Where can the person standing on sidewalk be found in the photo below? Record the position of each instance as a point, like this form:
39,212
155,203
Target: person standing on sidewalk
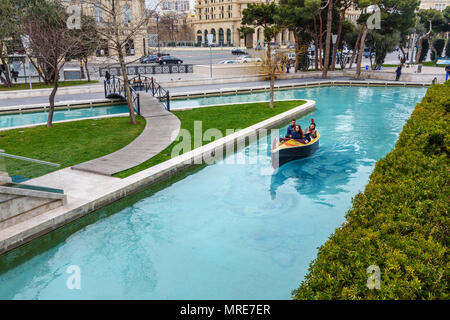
447,72
398,72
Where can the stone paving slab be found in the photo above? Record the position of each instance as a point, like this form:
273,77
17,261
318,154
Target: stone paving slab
160,131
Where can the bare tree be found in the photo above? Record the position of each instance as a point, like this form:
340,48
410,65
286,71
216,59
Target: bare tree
7,30
117,26
51,42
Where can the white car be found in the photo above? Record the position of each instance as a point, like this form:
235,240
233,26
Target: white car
228,62
249,59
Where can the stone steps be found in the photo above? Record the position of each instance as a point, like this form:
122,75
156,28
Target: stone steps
16,209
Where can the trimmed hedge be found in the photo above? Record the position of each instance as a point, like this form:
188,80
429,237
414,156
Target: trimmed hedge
400,223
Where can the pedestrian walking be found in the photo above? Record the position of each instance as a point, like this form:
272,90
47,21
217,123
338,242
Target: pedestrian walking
447,72
107,76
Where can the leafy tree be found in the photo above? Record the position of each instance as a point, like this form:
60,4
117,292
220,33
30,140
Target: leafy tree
299,17
447,49
342,6
431,18
382,43
438,44
263,15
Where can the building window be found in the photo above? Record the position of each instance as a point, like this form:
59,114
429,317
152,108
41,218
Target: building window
98,13
126,14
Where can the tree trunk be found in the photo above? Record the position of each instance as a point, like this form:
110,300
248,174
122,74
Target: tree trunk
419,50
430,41
297,46
272,74
320,40
361,51
316,46
356,46
37,69
336,45
328,39
8,81
127,87
52,100
87,69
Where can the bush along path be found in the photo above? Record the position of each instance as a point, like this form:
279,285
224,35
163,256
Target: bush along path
399,224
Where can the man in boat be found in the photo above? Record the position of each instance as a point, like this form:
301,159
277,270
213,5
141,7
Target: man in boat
290,129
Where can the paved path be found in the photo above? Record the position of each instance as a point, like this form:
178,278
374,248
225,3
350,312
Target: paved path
160,131
60,97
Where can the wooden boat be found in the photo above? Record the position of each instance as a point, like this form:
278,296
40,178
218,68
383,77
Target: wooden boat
288,150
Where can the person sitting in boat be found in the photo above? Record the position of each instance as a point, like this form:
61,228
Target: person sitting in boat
297,134
310,132
290,129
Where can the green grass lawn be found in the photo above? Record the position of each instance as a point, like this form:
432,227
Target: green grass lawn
67,143
75,142
432,64
26,86
220,117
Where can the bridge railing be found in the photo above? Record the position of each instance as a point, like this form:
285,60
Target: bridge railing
149,85
115,87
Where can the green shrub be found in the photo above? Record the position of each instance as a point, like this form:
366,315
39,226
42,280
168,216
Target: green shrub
399,223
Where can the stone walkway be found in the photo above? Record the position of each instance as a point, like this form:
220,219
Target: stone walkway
160,131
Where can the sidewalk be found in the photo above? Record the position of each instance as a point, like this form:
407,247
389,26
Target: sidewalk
221,84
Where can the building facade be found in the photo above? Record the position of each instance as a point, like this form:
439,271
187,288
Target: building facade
129,14
353,13
222,19
180,6
434,4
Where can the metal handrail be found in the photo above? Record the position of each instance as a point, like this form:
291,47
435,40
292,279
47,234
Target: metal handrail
141,83
28,159
115,86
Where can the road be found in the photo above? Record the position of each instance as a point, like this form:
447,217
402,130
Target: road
202,56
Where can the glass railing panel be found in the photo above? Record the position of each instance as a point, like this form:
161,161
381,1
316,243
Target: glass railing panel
33,174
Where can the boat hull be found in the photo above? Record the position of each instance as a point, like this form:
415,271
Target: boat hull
282,156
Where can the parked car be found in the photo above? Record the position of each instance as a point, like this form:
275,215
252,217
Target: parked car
152,58
228,62
239,51
273,45
250,59
368,53
291,46
242,58
169,60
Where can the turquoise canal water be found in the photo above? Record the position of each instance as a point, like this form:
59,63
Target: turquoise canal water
22,119
228,231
